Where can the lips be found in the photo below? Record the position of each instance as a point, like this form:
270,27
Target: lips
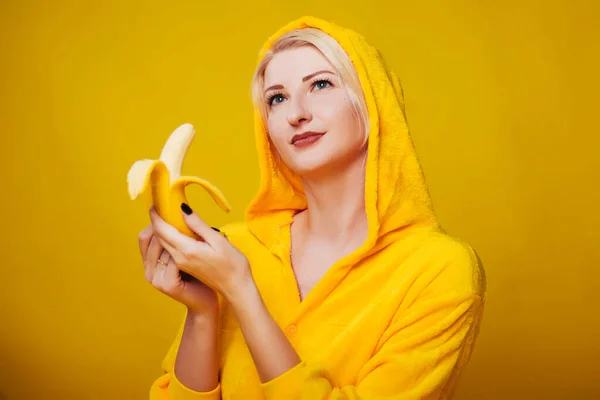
305,135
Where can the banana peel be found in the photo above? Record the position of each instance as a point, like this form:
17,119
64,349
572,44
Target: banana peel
161,183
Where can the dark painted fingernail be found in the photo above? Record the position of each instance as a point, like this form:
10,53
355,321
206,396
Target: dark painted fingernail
186,209
216,229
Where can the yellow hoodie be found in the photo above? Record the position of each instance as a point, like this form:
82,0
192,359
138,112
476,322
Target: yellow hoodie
395,319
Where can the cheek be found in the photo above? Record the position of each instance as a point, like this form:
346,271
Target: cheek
276,126
336,112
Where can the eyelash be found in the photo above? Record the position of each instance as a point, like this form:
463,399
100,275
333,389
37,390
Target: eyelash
273,95
321,80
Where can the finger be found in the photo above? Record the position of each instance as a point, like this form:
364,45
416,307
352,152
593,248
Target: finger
171,274
164,257
169,281
173,252
144,238
196,224
169,234
154,251
158,280
195,250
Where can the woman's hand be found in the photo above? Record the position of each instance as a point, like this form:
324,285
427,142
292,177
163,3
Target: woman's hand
164,276
218,264
213,261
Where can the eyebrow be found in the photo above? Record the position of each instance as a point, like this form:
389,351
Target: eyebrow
307,77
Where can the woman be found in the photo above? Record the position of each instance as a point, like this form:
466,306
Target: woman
340,284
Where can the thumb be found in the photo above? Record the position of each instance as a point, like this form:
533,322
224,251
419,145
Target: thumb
196,224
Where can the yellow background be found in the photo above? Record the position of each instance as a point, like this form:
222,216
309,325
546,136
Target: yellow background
502,100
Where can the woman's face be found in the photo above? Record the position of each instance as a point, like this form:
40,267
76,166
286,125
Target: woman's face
304,94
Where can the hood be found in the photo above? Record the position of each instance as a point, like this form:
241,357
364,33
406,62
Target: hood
396,196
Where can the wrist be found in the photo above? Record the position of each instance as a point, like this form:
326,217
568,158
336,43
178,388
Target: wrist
202,318
239,287
244,297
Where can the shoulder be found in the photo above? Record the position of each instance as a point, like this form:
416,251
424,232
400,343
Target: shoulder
463,266
444,263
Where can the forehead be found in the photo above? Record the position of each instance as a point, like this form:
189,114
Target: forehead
294,64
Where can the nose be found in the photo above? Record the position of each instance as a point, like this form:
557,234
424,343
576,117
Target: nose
298,110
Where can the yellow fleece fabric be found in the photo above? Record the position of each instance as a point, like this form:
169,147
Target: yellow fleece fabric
395,319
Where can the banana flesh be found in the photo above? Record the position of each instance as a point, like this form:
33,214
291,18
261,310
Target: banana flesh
162,183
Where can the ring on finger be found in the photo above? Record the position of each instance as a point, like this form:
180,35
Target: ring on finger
166,260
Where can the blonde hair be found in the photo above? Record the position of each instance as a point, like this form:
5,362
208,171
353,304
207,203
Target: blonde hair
335,54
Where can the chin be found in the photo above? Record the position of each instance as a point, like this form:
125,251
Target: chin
308,170
310,164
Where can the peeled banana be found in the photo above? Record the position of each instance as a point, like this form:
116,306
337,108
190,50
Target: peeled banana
163,177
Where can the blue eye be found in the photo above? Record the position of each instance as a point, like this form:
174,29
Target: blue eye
274,96
322,83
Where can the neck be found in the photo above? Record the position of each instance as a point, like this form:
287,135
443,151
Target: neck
336,203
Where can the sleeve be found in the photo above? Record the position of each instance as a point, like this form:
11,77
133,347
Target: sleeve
168,387
419,356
